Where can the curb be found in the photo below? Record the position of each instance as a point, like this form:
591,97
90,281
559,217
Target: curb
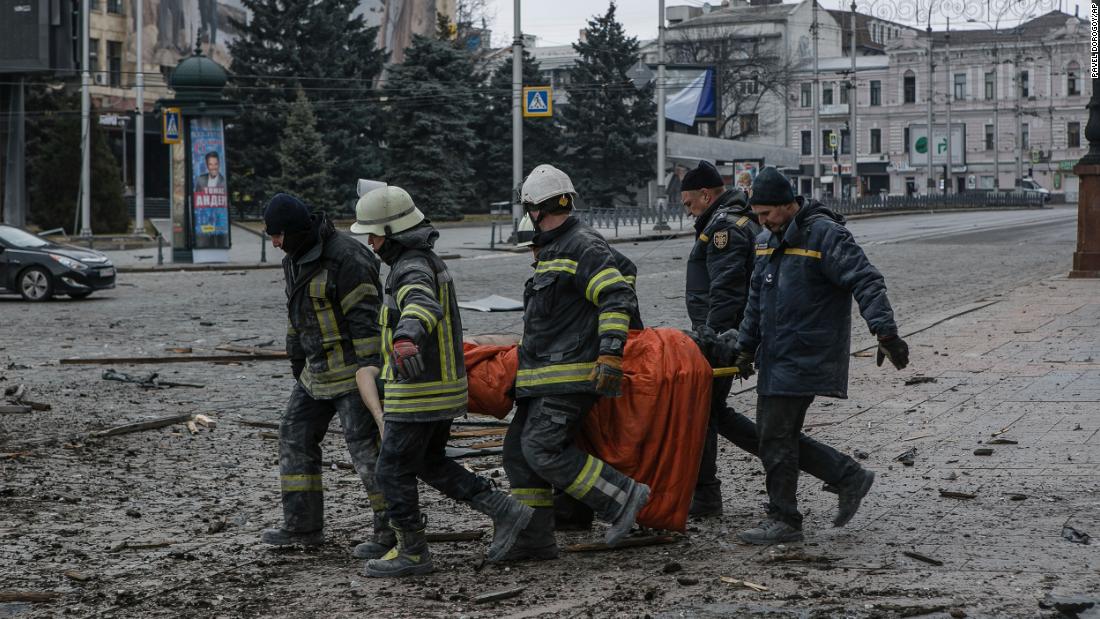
260,266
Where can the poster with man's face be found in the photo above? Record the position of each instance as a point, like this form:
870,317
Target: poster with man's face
744,173
209,191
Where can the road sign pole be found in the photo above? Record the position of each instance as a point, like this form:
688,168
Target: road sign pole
85,124
517,116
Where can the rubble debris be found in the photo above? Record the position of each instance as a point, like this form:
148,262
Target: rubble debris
1002,441
919,557
159,360
1016,496
15,408
496,596
672,567
919,380
957,613
257,350
742,583
800,557
952,494
1073,535
487,445
78,576
493,303
907,457
687,581
916,437
983,451
140,426
206,422
191,427
150,381
1068,605
860,454
633,542
126,545
183,350
33,597
268,436
501,431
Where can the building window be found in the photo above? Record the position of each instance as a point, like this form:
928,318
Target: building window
910,87
845,142
989,137
750,86
986,182
749,123
807,143
1073,135
905,139
827,94
93,55
825,148
990,85
1072,86
960,86
1025,137
114,60
843,86
807,94
876,141
876,92
1025,90
114,6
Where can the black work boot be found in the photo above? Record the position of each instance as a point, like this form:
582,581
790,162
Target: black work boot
282,537
707,502
570,514
771,532
536,542
635,501
509,518
380,542
850,494
410,557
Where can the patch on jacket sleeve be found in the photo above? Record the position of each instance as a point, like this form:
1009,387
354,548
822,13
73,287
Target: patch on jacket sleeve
741,222
721,239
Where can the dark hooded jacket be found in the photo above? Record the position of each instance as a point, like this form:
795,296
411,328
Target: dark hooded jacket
799,314
720,263
332,290
421,305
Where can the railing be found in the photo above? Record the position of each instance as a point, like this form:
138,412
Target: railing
631,216
975,200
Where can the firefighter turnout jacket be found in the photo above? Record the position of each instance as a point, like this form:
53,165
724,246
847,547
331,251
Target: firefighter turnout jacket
332,308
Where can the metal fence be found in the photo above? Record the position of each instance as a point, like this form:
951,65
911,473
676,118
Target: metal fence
632,217
975,200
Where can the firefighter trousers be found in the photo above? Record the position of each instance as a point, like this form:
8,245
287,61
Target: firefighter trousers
303,427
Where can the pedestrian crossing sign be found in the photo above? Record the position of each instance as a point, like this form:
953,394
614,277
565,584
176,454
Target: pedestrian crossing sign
170,131
538,101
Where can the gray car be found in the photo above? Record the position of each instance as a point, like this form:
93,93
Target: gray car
38,269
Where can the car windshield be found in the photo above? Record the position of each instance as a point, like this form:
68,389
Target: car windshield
19,238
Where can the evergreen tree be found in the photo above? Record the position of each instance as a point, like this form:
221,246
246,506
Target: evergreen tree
317,46
304,157
541,136
430,139
609,123
53,169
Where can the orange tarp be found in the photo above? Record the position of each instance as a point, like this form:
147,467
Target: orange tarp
653,433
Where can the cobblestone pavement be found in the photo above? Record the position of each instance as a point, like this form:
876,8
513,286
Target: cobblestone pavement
165,523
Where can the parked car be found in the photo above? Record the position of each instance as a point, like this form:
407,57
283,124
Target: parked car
39,269
1029,186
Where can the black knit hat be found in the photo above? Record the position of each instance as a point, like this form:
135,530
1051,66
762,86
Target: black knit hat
285,213
770,188
704,176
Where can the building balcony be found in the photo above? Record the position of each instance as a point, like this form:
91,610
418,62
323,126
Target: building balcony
833,109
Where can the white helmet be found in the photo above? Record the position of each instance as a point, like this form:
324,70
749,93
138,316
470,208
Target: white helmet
385,211
545,182
525,232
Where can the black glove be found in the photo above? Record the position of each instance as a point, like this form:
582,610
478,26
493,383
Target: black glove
744,364
725,348
895,349
296,367
407,358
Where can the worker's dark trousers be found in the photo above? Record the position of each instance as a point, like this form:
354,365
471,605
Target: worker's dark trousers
418,449
303,427
540,454
708,466
784,450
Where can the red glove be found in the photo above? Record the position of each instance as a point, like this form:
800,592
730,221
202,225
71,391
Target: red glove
406,356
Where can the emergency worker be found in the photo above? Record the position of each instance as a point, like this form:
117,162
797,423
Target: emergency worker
577,311
425,386
797,328
332,291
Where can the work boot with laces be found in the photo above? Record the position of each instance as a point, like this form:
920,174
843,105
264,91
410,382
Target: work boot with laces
381,541
771,532
410,557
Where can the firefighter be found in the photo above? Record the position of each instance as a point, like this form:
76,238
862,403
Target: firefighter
577,311
425,386
332,290
797,328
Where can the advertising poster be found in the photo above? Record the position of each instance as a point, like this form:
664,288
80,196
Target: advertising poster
209,193
744,173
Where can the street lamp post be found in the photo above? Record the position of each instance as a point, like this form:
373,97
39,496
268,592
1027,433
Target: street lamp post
1086,259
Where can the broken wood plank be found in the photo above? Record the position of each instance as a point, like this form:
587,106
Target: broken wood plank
147,360
338,465
919,557
1002,441
126,545
206,422
142,426
38,406
33,597
743,583
258,424
191,427
487,445
456,536
78,576
800,557
479,432
496,596
632,542
183,350
268,436
15,409
952,494
252,350
16,454
918,436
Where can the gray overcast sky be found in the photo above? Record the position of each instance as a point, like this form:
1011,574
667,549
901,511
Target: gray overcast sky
557,22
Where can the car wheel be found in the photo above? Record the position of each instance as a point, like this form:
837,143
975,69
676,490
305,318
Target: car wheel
79,295
35,284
